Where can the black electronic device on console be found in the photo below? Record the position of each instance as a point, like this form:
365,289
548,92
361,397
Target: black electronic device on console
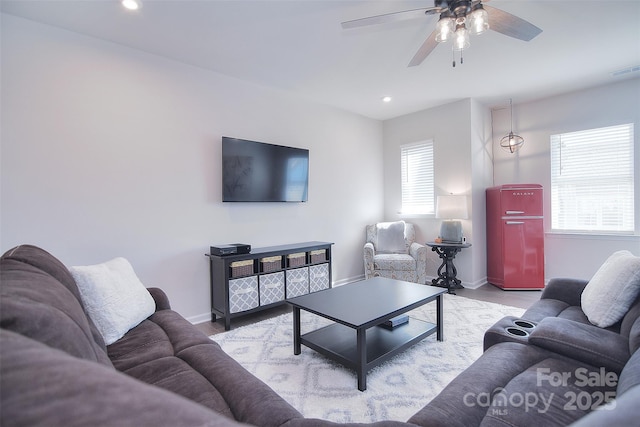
231,249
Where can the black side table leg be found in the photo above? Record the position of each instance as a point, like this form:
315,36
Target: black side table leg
447,271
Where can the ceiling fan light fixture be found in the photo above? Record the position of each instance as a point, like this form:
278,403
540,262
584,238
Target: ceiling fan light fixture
461,38
444,28
478,20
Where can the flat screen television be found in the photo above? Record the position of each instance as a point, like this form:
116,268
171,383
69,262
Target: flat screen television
259,172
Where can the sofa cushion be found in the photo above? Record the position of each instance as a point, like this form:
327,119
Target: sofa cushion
612,289
44,386
544,308
169,352
114,297
390,237
39,299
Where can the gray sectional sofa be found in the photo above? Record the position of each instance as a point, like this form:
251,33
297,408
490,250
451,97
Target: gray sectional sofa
554,370
55,369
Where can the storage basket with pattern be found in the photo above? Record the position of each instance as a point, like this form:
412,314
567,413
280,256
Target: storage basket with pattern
319,277
243,294
318,256
297,259
270,264
297,282
271,288
241,268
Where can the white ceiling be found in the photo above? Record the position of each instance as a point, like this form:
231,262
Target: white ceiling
299,46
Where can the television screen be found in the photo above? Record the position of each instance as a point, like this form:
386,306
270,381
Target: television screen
258,172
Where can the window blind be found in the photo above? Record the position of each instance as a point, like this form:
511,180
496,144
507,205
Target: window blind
592,180
417,178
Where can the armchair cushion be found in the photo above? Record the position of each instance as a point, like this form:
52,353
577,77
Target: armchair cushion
390,237
394,262
611,291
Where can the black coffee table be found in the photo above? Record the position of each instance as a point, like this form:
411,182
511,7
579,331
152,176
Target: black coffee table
355,339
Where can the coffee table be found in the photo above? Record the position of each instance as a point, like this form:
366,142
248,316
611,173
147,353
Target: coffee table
356,339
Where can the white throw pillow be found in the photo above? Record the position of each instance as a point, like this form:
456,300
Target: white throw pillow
611,291
113,296
390,237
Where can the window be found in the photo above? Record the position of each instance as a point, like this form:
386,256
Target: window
592,180
417,178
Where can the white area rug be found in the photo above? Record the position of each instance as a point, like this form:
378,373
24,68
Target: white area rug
397,389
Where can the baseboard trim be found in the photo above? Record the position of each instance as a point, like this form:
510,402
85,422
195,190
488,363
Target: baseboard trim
476,284
200,318
348,280
467,285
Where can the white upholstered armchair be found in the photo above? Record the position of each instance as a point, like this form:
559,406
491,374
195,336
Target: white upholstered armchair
391,251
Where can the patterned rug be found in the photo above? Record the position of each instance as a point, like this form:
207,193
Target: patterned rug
320,388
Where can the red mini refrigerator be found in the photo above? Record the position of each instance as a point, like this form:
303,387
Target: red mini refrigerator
515,237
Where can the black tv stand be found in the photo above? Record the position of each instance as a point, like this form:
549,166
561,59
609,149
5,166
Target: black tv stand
264,278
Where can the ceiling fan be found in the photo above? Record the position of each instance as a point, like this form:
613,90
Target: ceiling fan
458,18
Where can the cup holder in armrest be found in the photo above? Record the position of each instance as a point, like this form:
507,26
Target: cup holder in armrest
525,324
509,329
517,332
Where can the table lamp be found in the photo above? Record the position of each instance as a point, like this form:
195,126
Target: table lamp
452,209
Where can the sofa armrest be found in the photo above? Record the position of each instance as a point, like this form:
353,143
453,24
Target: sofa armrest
586,343
567,290
161,299
369,252
419,253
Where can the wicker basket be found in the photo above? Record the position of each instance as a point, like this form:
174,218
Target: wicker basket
297,259
270,264
318,256
241,268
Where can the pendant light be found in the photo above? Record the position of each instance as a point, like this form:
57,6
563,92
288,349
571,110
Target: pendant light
511,142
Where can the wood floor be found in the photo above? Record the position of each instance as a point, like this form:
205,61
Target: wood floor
489,293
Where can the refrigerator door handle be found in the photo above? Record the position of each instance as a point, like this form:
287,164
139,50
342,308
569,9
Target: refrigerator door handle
514,212
514,222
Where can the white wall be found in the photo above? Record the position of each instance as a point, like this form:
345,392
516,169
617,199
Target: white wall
481,153
461,136
109,151
617,103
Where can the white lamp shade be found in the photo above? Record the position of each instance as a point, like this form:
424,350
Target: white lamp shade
452,207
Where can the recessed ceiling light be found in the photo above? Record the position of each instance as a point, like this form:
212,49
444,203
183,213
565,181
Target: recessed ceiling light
386,99
131,4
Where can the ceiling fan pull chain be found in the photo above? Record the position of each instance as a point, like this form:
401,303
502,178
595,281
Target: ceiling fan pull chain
453,57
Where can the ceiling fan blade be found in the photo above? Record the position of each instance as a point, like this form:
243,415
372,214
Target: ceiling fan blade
427,47
390,17
510,25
